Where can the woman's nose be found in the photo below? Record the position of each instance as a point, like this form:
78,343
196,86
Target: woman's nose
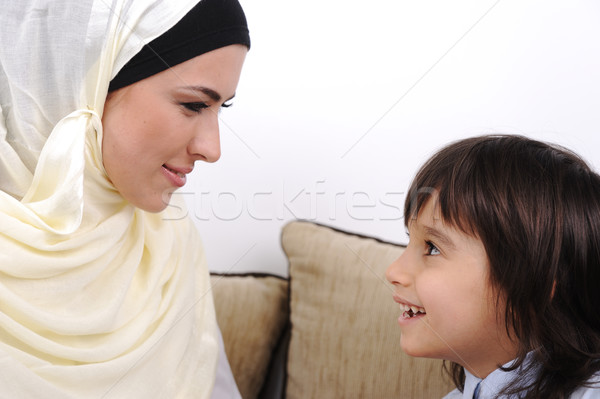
205,144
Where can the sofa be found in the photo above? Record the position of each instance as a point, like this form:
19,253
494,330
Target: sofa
328,330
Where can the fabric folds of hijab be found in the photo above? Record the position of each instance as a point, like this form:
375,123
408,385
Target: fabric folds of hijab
98,299
210,25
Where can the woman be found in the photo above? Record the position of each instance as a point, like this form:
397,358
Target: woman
103,293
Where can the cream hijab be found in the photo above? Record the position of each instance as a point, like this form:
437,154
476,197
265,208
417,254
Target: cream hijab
98,299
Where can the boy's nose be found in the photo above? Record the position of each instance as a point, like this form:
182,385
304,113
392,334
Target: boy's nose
397,272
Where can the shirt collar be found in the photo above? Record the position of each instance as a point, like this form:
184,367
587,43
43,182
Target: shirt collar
495,381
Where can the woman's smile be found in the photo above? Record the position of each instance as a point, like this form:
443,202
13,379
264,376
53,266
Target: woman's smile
177,176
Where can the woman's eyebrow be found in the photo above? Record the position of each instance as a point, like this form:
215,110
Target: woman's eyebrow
209,92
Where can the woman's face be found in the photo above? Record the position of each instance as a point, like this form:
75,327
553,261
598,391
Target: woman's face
157,128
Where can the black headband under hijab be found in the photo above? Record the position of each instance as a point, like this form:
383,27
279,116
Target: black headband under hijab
210,25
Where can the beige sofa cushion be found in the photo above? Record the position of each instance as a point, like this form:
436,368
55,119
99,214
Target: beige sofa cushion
345,342
252,311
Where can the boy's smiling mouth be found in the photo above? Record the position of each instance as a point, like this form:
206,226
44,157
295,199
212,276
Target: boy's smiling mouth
410,311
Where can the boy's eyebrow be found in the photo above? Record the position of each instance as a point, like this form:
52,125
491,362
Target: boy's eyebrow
440,237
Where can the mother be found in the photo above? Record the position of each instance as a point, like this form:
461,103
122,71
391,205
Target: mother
104,291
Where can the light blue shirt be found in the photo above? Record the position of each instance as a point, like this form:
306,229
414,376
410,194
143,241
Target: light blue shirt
498,379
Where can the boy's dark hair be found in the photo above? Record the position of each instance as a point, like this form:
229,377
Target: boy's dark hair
536,209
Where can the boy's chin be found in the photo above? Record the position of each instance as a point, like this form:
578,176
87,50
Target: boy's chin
410,347
414,347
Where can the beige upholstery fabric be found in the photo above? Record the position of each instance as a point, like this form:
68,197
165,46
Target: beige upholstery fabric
251,312
345,342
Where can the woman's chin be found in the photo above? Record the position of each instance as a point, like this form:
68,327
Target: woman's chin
153,205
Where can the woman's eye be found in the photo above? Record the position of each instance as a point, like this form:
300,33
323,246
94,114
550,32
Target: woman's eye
431,248
195,106
225,105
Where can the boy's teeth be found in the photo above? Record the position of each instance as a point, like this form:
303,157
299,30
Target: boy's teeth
411,310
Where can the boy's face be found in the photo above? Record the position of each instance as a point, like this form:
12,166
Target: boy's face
443,275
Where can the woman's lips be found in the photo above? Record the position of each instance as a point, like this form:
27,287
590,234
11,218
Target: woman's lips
177,176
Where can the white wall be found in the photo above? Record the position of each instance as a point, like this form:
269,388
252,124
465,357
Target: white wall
342,100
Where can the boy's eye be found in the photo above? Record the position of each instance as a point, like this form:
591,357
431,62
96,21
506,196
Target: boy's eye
431,248
195,106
